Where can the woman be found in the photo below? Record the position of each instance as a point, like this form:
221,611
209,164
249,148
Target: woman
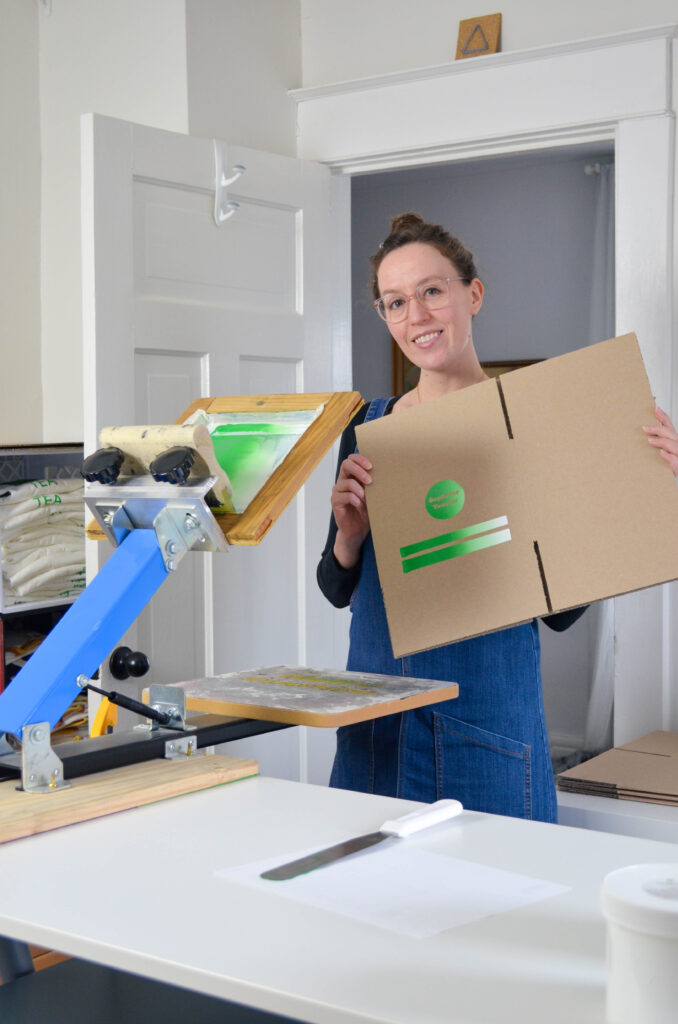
489,747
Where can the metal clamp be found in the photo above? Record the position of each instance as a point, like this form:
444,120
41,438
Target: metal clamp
142,503
181,747
41,770
116,519
172,701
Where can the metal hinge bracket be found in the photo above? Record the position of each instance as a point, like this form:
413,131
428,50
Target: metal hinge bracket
41,770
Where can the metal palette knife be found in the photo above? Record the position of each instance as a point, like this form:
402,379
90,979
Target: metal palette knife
415,821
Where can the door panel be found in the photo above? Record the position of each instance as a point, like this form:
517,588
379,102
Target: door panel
181,255
165,382
177,308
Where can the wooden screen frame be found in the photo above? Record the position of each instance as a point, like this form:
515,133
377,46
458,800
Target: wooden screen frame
252,525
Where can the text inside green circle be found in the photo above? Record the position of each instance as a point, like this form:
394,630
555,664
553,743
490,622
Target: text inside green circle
445,499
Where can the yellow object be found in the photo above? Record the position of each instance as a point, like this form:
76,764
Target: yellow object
107,714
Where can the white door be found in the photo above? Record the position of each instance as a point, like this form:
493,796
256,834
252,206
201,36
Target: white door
176,308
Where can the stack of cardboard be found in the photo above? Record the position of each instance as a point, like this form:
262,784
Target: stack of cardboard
646,769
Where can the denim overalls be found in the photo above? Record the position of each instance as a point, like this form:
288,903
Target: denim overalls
488,748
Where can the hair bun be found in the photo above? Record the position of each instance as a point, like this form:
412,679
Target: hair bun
410,227
405,222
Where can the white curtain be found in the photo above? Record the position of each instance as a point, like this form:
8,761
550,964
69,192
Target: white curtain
598,730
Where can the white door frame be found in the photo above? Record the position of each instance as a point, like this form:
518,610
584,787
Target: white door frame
619,88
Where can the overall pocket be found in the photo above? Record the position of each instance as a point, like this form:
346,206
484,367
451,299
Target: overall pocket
486,771
353,766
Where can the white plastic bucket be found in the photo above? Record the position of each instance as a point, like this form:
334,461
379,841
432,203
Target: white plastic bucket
640,904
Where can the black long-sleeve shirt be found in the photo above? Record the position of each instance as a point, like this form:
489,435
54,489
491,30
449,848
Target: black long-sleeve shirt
337,583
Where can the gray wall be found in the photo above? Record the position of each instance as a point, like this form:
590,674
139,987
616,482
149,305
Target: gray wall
528,221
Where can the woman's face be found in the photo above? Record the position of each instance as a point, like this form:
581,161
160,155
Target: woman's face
431,339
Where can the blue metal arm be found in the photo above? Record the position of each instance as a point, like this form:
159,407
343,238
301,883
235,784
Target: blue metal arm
86,634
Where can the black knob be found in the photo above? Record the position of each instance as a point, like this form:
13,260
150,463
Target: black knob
124,663
103,465
173,465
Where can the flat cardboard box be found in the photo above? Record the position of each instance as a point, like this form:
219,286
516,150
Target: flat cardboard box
645,769
527,494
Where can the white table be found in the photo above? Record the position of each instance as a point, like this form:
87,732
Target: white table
86,890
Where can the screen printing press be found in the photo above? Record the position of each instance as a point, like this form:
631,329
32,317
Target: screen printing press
219,477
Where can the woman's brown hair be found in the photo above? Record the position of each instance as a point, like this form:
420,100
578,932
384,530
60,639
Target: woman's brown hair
410,227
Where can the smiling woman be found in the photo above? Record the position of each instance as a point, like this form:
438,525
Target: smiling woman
489,747
426,289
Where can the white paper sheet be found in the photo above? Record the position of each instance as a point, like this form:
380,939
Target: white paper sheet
402,888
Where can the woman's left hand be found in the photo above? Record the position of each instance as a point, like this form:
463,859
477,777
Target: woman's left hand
663,435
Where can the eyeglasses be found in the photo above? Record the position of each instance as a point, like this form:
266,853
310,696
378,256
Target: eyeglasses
432,294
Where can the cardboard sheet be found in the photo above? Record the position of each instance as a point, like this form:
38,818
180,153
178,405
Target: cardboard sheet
645,769
528,494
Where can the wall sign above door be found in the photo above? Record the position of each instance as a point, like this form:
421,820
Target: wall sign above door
478,36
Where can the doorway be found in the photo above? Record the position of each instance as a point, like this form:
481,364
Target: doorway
540,225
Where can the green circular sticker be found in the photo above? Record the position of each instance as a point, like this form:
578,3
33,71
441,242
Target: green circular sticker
445,499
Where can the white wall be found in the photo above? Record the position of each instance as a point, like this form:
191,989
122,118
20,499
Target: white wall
359,38
155,61
20,377
212,67
242,59
124,59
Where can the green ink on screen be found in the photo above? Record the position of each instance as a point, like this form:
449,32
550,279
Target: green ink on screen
250,447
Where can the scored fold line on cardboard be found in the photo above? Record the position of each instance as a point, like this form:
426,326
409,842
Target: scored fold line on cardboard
520,496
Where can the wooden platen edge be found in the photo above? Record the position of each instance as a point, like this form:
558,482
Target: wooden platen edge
328,720
95,796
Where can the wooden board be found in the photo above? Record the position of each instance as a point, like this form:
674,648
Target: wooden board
94,796
43,958
304,696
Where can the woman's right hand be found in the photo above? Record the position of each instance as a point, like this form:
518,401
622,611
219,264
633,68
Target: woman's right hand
350,510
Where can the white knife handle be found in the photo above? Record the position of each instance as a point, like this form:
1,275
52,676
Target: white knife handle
432,814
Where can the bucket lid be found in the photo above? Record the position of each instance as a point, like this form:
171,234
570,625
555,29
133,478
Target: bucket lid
643,897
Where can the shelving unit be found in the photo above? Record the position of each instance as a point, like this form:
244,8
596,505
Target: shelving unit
33,462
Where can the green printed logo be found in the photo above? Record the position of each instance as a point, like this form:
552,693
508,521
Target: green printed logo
452,545
445,499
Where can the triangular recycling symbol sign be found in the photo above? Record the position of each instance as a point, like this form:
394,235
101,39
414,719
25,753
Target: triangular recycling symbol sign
476,42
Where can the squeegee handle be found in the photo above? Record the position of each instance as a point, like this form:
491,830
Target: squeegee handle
123,701
141,709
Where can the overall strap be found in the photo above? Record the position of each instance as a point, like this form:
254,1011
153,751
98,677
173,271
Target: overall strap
376,409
